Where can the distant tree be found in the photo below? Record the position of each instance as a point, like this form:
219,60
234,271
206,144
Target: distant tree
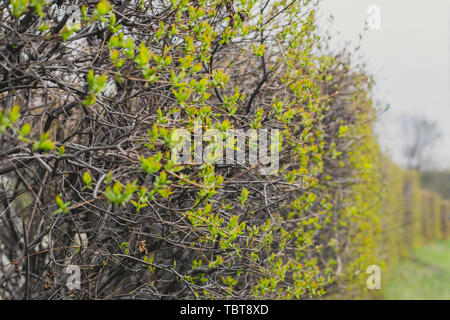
420,136
437,181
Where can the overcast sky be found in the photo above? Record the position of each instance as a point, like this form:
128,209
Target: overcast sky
409,57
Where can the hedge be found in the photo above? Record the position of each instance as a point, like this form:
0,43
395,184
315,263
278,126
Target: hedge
92,105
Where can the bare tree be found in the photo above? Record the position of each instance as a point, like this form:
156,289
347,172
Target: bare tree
420,136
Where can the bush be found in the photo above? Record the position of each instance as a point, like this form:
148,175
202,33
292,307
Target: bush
91,105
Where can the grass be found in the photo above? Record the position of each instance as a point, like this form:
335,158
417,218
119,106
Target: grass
424,275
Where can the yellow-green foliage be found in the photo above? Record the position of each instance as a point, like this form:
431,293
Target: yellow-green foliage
393,210
412,225
445,219
427,216
361,206
225,65
199,230
417,216
435,216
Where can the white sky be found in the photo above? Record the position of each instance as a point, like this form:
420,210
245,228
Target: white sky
409,57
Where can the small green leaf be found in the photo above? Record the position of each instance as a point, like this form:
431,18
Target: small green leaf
61,205
14,114
25,130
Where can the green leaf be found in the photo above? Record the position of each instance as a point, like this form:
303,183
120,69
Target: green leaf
87,179
114,54
14,114
124,246
244,195
91,79
101,83
103,7
45,143
117,188
89,100
61,205
343,129
19,7
84,12
69,29
152,164
44,27
144,55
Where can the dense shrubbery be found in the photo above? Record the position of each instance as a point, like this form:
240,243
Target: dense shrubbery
89,107
413,216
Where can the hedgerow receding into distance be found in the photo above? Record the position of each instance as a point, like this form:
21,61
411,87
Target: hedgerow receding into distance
89,105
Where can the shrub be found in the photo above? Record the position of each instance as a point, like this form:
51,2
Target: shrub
90,104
